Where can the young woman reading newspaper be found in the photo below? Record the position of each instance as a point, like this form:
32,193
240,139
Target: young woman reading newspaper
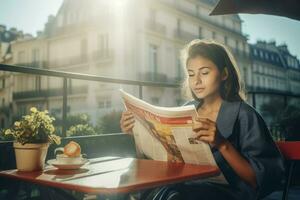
237,134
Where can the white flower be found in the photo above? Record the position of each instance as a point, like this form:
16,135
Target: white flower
17,123
8,132
33,109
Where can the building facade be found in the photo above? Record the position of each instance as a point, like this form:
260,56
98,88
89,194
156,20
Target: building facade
274,70
131,39
7,36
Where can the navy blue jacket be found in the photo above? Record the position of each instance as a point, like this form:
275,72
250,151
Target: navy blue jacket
246,130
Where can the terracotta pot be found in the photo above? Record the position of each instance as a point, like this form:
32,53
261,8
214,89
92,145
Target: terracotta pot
30,157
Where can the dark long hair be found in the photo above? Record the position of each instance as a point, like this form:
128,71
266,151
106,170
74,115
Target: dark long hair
232,89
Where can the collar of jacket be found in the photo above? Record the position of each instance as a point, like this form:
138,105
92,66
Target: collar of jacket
227,116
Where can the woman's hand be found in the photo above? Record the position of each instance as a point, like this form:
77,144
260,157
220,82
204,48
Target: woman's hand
127,122
206,131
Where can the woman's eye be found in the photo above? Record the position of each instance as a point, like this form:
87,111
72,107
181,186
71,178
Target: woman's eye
191,75
204,73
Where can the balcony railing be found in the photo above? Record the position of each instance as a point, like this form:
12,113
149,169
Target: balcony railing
184,35
161,80
68,75
48,93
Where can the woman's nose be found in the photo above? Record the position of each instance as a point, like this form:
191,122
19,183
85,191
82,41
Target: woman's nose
198,79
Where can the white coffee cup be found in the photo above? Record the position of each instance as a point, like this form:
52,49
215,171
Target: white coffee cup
66,160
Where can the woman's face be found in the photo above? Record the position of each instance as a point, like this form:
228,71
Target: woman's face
204,77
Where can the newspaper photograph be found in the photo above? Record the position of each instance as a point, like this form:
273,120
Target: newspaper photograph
165,133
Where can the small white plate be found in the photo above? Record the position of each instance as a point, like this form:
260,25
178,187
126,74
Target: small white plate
58,165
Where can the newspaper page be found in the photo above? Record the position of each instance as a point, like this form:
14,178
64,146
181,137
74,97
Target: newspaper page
165,134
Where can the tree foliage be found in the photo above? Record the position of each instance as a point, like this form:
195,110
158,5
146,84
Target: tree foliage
109,123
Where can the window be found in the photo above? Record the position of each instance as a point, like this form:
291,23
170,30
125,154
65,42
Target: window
2,83
56,111
83,48
267,56
236,45
255,52
179,102
153,53
214,35
260,69
108,104
21,57
197,10
225,40
152,15
101,104
60,20
245,74
155,100
103,45
200,34
104,103
35,57
70,86
38,83
178,25
254,67
22,109
223,21
179,70
261,54
2,123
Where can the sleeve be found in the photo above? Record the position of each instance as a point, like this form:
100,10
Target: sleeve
258,147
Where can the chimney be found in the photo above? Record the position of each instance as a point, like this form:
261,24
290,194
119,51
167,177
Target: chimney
283,47
39,33
13,30
2,28
28,36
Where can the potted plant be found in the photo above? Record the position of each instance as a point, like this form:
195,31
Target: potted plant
32,135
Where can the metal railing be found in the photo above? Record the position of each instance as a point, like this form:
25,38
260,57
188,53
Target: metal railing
79,76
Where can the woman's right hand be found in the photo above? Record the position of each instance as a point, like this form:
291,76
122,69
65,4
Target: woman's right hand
127,122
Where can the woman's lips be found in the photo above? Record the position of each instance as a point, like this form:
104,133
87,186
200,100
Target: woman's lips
199,89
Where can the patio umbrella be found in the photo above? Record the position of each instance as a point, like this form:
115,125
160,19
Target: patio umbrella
285,8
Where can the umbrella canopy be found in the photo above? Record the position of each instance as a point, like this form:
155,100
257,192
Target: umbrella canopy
285,8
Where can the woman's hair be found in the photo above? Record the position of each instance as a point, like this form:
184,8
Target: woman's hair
231,89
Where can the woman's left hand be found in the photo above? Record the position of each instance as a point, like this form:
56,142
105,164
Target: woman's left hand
206,130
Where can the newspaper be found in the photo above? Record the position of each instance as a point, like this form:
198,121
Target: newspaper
165,134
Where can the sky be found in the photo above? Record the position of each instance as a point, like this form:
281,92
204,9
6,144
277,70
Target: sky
31,15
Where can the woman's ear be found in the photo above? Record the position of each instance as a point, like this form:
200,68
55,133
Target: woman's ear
224,74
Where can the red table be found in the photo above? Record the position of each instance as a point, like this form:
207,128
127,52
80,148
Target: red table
115,175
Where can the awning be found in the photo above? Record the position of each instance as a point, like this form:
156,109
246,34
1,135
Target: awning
285,8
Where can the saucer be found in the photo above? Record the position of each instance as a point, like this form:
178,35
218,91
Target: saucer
58,165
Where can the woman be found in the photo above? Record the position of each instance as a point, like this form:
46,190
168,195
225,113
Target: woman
238,136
